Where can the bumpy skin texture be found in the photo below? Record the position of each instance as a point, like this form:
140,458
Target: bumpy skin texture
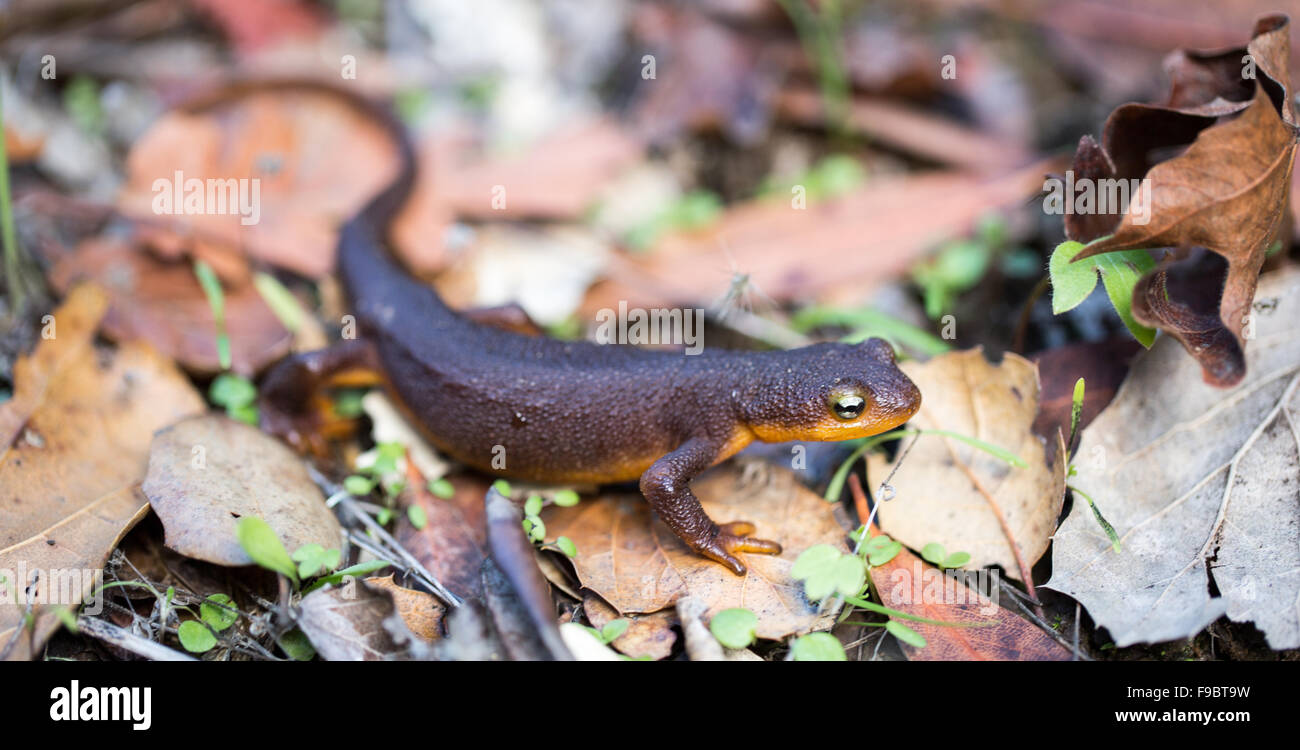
557,411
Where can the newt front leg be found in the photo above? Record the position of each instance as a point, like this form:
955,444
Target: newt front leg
291,403
666,484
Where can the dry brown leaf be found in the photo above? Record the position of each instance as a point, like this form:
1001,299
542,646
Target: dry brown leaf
964,498
208,471
317,160
1227,192
421,612
628,557
1102,365
910,129
998,634
76,439
834,248
649,635
356,623
1156,24
558,177
708,75
1201,485
162,303
453,542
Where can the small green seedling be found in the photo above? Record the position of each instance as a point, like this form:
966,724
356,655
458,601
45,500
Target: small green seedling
905,634
386,458
358,485
612,630
379,467
16,279
347,402
820,27
817,647
959,265
535,528
261,544
196,637
297,646
417,516
235,394
67,617
81,100
1120,272
355,571
566,545
936,554
832,176
216,300
1076,412
313,559
218,612
735,627
281,301
1101,520
877,550
442,488
826,571
565,498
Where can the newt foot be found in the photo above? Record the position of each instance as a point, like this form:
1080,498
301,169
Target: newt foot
735,537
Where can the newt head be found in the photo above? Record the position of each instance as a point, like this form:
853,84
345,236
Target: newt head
829,392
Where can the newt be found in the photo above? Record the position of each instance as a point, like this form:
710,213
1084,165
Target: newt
548,410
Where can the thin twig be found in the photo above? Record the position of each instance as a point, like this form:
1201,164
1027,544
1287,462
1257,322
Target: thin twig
901,456
122,638
1026,314
1042,624
235,642
340,498
1078,613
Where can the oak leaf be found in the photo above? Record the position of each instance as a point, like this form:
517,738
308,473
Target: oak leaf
628,557
316,160
993,633
368,622
161,302
949,492
1228,191
208,471
1200,484
75,440
649,635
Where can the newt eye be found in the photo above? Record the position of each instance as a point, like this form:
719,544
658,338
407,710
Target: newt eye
848,406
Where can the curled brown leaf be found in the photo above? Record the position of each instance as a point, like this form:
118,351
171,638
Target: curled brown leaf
1227,191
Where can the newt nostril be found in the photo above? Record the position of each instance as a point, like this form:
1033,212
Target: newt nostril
901,399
